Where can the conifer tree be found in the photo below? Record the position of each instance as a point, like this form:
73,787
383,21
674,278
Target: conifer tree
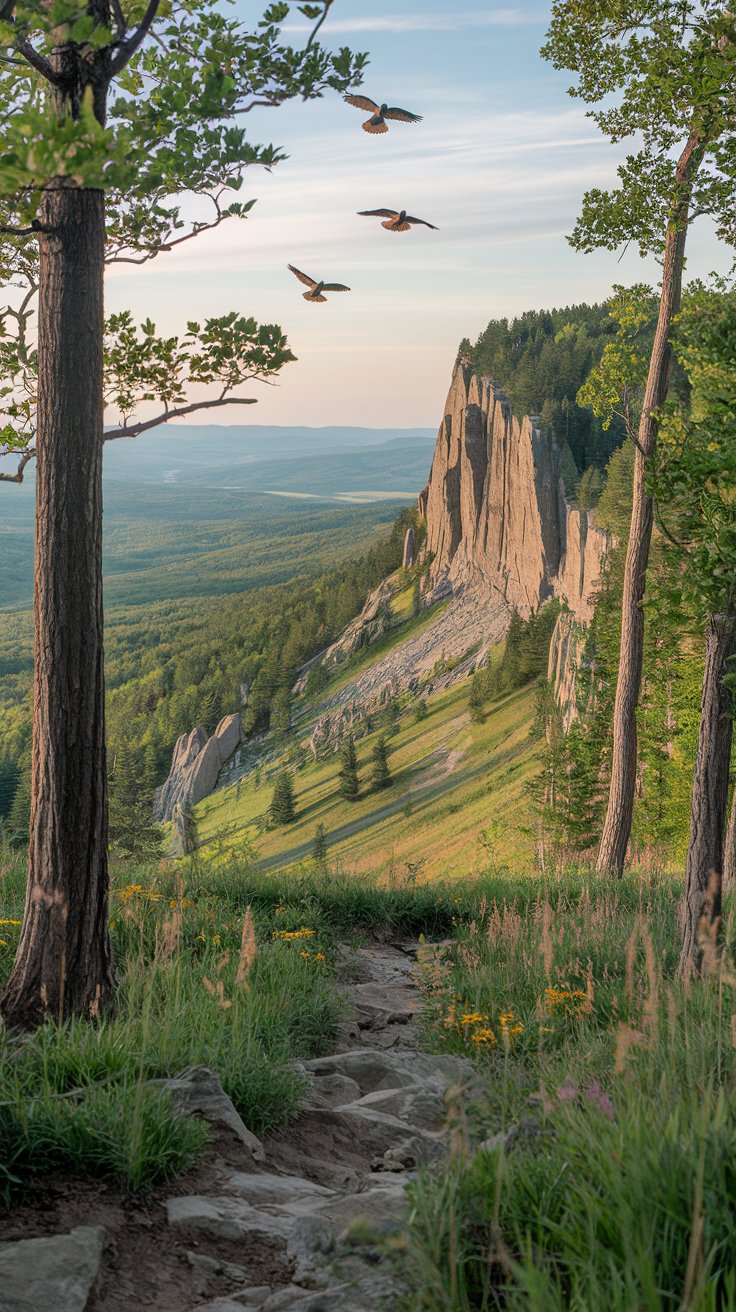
319,848
349,778
283,806
381,776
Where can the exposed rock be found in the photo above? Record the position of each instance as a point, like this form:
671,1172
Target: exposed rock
407,559
497,517
195,765
198,1092
51,1274
373,622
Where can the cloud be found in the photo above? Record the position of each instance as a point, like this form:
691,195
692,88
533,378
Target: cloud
427,22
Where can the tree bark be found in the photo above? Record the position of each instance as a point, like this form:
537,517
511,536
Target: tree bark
617,825
709,798
63,966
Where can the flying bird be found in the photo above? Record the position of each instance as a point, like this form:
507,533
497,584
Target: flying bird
397,220
316,288
379,113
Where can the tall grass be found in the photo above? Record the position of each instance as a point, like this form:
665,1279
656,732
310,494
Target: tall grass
223,967
600,1170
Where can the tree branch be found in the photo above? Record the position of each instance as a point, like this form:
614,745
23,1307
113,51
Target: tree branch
197,229
128,48
22,232
114,434
17,477
41,64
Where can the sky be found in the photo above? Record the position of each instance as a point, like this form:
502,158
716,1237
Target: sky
499,163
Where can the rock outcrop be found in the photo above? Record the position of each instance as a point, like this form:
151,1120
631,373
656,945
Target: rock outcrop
498,520
409,549
195,766
496,510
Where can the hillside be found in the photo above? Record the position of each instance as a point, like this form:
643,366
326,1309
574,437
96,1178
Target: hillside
207,512
453,782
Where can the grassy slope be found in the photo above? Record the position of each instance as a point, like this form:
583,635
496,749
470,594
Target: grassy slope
451,780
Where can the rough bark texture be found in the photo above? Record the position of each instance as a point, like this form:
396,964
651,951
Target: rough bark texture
63,965
617,824
710,797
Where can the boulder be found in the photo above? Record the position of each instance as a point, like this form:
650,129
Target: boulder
198,1092
195,766
51,1274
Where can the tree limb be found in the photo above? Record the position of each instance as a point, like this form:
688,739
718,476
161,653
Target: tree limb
41,64
128,48
17,477
133,430
22,232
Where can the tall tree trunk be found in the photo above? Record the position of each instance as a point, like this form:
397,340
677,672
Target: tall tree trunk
63,965
710,796
619,815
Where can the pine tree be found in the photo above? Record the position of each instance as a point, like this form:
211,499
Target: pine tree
381,769
349,779
283,808
478,696
319,848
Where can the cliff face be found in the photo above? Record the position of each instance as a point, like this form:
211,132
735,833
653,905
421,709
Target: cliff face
496,510
497,517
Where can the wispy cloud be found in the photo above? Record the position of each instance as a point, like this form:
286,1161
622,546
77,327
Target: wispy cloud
427,22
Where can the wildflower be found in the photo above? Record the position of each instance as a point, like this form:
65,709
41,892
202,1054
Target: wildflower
306,955
216,938
288,934
483,1035
319,956
10,922
3,943
201,938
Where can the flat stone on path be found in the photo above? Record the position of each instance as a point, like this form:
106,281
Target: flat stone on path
51,1274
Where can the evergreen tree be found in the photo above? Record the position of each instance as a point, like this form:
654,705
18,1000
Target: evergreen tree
416,598
421,710
381,770
9,776
319,848
478,696
283,808
281,712
349,779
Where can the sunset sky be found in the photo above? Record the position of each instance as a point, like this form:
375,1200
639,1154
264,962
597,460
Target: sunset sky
499,164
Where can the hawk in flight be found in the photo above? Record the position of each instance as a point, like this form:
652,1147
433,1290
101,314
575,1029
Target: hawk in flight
397,220
316,288
379,113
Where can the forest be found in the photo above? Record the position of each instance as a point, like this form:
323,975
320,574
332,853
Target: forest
428,1004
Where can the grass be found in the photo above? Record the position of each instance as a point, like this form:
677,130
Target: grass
462,785
201,982
600,1167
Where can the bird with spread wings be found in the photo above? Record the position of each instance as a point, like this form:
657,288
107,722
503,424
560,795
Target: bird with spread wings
379,113
316,288
397,220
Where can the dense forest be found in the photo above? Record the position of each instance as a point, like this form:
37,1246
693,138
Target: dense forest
541,360
179,665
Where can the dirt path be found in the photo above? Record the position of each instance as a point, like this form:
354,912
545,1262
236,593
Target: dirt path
300,1222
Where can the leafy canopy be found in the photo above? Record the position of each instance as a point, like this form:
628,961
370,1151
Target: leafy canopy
664,73
144,99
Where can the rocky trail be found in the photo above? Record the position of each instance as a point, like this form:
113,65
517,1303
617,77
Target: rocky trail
310,1220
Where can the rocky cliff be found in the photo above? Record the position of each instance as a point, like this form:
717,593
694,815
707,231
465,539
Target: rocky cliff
498,520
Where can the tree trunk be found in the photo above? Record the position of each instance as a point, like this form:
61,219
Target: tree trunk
729,853
710,797
63,966
619,815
